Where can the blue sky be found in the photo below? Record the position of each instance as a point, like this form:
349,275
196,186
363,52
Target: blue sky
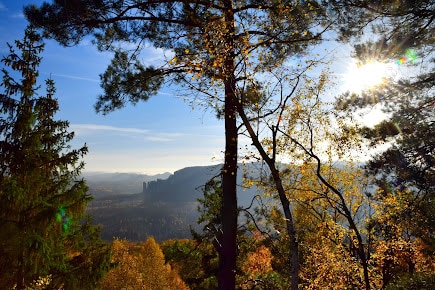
160,135
163,134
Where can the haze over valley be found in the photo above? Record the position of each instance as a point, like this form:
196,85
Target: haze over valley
136,206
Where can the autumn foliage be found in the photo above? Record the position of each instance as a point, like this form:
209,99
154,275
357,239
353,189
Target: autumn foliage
141,266
329,222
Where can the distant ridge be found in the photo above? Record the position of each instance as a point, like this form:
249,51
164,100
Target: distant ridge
118,183
164,208
136,206
184,185
121,176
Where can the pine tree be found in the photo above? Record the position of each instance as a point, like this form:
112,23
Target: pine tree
43,232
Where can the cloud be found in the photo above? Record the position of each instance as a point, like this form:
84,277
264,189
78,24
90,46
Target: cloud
158,139
129,149
150,161
149,54
3,7
17,15
75,77
80,128
91,130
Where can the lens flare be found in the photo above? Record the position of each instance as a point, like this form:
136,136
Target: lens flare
409,57
63,219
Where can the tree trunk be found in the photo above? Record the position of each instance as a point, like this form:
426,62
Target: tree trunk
20,275
228,253
291,231
285,203
348,215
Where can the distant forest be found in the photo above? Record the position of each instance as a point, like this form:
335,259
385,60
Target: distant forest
165,210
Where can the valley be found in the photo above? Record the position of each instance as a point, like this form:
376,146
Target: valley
136,206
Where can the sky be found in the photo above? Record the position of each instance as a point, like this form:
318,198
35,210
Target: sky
163,134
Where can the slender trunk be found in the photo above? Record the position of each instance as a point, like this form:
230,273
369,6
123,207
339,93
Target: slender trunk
20,275
366,273
285,203
228,253
348,215
290,227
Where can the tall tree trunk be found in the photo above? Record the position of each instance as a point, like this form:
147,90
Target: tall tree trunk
20,275
228,253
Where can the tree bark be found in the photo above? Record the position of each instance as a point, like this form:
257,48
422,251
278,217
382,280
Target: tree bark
291,231
228,252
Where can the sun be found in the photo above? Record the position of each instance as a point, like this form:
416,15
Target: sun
360,77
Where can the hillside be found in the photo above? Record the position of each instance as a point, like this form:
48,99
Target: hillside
136,206
103,184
